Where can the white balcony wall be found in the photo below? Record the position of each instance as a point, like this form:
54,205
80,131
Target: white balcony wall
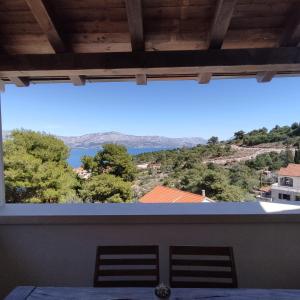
55,249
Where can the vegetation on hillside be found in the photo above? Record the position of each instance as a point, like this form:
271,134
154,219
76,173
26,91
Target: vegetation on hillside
286,134
36,170
113,172
186,169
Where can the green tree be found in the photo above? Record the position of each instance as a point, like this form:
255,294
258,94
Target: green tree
36,170
214,140
88,163
115,160
106,188
239,135
297,157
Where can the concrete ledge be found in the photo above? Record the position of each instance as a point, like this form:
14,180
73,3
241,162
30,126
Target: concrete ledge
227,212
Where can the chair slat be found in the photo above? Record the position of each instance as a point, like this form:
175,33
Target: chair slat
111,250
124,272
102,272
203,263
194,250
192,273
120,262
194,256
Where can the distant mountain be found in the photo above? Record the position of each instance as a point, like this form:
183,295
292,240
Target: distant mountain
95,140
130,141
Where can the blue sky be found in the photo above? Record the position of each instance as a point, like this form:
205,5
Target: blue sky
175,109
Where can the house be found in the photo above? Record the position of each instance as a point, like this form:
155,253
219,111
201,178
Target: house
264,193
82,173
142,166
163,194
288,186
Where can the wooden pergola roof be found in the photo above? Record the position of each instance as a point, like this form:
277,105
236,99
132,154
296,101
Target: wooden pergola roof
119,40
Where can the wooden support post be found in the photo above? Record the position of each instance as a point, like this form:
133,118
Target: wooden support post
2,183
141,79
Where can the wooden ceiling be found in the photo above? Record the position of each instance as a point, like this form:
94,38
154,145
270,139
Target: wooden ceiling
119,40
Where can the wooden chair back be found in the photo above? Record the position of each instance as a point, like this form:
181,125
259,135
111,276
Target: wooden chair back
202,267
127,266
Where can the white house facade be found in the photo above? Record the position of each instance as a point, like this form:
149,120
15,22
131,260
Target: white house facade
288,186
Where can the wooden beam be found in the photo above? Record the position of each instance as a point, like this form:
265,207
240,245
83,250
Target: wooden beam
135,24
289,38
219,27
262,77
77,80
2,86
162,63
221,22
141,79
291,33
42,16
19,81
204,78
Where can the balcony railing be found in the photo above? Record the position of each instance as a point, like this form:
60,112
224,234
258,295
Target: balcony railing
55,245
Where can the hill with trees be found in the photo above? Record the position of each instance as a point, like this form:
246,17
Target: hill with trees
36,168
36,171
286,134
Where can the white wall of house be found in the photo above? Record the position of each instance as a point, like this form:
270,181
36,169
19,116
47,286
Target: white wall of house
292,191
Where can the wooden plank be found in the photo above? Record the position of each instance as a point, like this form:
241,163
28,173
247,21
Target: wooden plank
127,272
196,250
19,81
141,79
135,24
42,16
20,293
289,38
291,33
199,262
204,274
221,22
153,63
77,80
204,78
130,262
222,18
120,250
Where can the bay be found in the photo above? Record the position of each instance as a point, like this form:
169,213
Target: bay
77,153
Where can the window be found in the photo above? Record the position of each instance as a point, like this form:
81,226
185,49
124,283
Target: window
280,196
297,198
286,197
286,181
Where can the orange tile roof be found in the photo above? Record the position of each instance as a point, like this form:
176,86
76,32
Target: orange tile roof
162,194
265,189
290,170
